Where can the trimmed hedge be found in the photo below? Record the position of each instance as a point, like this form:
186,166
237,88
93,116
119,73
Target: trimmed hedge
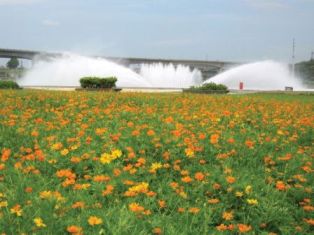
8,84
209,88
96,82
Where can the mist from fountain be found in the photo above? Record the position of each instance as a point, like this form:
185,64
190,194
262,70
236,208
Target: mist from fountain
170,76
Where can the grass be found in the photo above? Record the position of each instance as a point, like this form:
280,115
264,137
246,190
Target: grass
110,163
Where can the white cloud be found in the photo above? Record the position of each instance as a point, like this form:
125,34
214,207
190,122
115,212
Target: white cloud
18,2
51,23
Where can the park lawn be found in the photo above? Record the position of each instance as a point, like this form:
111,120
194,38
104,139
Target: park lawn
135,163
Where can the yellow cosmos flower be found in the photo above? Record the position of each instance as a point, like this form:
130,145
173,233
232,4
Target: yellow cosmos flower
94,220
116,153
248,189
64,152
139,188
155,166
106,158
3,204
189,152
252,201
56,146
16,210
39,222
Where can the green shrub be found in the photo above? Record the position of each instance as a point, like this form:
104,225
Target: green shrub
213,86
210,88
8,84
99,83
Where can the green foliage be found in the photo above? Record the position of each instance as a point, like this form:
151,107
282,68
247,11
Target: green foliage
210,87
7,84
306,71
99,83
13,63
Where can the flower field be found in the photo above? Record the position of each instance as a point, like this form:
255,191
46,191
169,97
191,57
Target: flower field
127,163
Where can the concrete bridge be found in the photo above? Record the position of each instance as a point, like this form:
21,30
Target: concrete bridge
208,68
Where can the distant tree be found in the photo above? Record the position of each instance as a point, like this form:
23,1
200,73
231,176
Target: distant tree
13,63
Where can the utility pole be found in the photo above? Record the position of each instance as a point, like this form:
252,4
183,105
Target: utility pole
293,57
312,56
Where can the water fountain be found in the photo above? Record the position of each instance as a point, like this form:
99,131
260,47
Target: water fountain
68,69
264,75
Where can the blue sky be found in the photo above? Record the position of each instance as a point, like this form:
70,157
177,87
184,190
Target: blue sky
231,30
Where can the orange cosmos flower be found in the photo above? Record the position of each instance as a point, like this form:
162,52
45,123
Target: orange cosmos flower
157,230
199,176
108,190
75,159
168,120
280,185
286,158
5,154
35,133
227,215
116,172
214,139
135,207
151,194
174,185
249,144
166,155
213,201
216,186
101,178
201,136
187,179
73,229
308,208
243,228
231,141
230,179
309,221
150,132
78,204
194,210
222,227
181,210
162,203
136,133
28,189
